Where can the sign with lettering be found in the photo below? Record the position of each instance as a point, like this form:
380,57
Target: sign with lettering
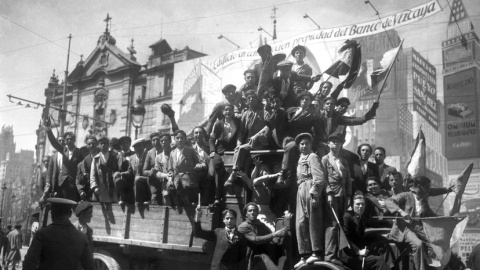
333,34
461,114
424,77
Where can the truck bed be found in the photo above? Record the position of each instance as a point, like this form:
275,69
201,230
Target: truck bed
154,226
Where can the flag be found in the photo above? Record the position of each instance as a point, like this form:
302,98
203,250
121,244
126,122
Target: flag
380,75
348,64
461,183
416,165
442,233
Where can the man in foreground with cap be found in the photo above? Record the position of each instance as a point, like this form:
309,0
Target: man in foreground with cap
104,165
339,191
301,68
59,245
84,212
135,172
284,80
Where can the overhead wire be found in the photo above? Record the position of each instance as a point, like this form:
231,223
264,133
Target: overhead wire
37,34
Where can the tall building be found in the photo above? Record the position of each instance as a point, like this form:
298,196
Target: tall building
16,172
461,84
408,102
7,145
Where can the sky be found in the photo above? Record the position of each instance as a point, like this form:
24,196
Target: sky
33,35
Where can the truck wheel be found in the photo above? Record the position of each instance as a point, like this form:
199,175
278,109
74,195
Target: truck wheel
105,262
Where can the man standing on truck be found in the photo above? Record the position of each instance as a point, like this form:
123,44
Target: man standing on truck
59,245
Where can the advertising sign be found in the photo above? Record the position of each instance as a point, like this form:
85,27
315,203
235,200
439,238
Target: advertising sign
424,77
457,54
461,115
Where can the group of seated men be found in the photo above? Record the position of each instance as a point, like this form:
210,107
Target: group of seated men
269,112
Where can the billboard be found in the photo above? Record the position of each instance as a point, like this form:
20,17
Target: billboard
424,77
461,115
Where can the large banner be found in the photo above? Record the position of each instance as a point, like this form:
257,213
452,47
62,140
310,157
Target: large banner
461,114
334,34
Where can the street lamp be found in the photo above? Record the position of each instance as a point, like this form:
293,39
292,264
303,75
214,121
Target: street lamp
224,37
138,114
4,187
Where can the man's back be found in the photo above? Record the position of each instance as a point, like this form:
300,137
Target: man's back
59,246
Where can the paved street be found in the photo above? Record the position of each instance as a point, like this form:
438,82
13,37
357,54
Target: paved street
23,252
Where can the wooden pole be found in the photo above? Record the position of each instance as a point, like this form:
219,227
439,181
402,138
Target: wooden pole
64,96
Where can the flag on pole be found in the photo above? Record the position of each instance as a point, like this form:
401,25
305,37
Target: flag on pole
348,63
416,165
461,183
380,75
442,233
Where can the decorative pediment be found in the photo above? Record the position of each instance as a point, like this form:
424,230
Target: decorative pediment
106,58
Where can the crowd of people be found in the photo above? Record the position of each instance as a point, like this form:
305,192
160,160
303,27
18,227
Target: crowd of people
329,190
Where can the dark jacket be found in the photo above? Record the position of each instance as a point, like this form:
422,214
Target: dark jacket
360,179
217,143
83,175
258,237
290,100
59,246
56,175
101,177
225,253
354,227
149,164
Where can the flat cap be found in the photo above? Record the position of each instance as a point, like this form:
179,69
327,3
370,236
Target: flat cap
299,48
155,134
303,135
124,138
263,48
337,135
103,139
138,141
82,206
285,63
304,94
